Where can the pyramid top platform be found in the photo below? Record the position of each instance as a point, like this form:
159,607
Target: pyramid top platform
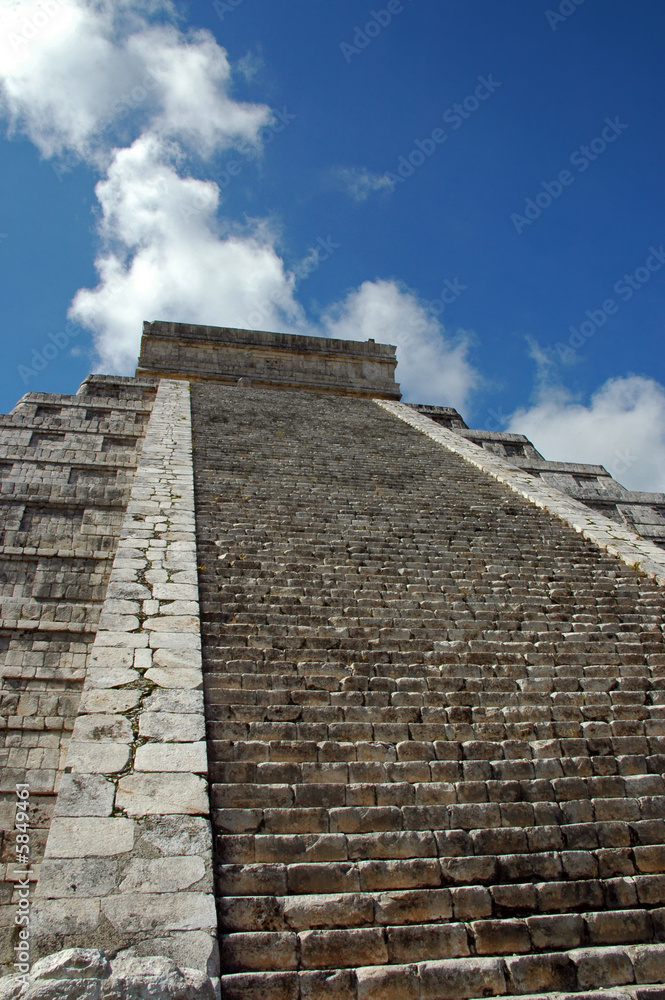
271,360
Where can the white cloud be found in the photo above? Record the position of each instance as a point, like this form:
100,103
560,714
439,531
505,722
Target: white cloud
193,76
360,183
622,428
431,368
73,70
79,76
250,65
119,85
55,82
166,258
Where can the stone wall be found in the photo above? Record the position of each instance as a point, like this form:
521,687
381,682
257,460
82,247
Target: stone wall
67,465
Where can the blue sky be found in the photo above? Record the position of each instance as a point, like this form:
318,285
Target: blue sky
465,178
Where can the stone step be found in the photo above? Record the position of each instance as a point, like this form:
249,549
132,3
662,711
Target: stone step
366,716
271,661
346,703
477,781
458,648
453,640
378,675
412,607
448,847
568,799
468,905
582,973
522,657
397,944
307,874
454,708
572,757
426,678
392,732
425,682
606,835
288,913
638,730
369,609
568,662
326,689
415,652
344,684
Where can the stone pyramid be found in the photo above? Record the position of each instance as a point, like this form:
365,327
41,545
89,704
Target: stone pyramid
322,693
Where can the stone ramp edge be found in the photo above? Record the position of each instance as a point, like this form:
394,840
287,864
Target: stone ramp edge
132,816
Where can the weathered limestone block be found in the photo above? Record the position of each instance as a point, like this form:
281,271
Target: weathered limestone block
89,837
612,967
169,726
471,977
162,794
162,874
541,973
87,974
382,982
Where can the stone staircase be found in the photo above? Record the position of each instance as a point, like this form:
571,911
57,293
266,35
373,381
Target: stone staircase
592,485
436,719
